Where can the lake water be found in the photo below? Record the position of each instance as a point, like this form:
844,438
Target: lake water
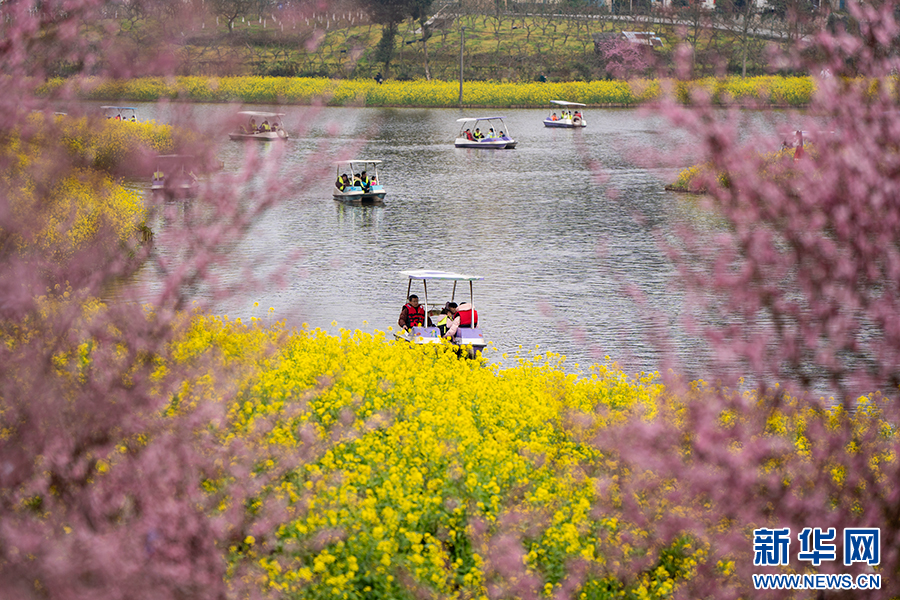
564,228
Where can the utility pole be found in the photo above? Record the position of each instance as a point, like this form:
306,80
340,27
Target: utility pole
462,45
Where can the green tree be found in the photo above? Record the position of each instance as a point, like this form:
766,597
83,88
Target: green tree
230,10
390,14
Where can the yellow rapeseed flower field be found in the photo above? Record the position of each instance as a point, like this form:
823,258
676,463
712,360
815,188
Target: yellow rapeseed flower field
78,200
776,90
427,445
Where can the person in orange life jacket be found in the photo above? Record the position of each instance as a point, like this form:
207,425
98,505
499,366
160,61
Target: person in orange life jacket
462,316
412,314
469,135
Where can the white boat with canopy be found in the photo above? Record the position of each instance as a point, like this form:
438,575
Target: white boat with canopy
484,132
174,177
469,334
570,115
120,113
358,181
261,126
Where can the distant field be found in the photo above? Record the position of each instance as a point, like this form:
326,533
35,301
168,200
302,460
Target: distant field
772,90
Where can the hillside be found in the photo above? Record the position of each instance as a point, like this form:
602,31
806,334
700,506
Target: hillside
511,46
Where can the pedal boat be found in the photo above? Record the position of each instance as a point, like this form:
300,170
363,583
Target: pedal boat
252,131
355,194
127,114
498,140
470,338
574,119
174,177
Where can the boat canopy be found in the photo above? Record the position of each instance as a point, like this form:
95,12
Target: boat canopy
255,113
440,275
118,108
478,119
358,160
566,103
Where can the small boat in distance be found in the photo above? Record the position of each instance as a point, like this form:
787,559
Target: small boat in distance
358,182
174,178
569,116
493,136
120,113
468,335
261,126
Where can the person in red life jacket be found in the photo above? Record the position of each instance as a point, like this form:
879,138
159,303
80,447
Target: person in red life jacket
463,315
412,314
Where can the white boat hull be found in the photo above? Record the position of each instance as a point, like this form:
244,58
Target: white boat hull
465,337
265,136
356,195
503,143
565,123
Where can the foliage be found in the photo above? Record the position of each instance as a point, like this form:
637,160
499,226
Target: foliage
797,292
76,207
115,146
151,452
103,448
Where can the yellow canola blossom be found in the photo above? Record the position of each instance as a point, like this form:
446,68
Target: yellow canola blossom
793,91
423,444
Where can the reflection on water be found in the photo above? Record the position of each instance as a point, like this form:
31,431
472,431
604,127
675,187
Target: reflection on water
565,229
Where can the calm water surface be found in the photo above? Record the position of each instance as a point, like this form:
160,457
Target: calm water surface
564,229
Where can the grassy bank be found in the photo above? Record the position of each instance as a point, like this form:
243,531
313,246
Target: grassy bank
770,90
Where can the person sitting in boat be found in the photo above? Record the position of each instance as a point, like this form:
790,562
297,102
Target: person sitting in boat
252,125
502,135
343,182
444,318
469,135
158,176
365,182
412,314
478,135
356,180
553,117
265,126
463,315
491,133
